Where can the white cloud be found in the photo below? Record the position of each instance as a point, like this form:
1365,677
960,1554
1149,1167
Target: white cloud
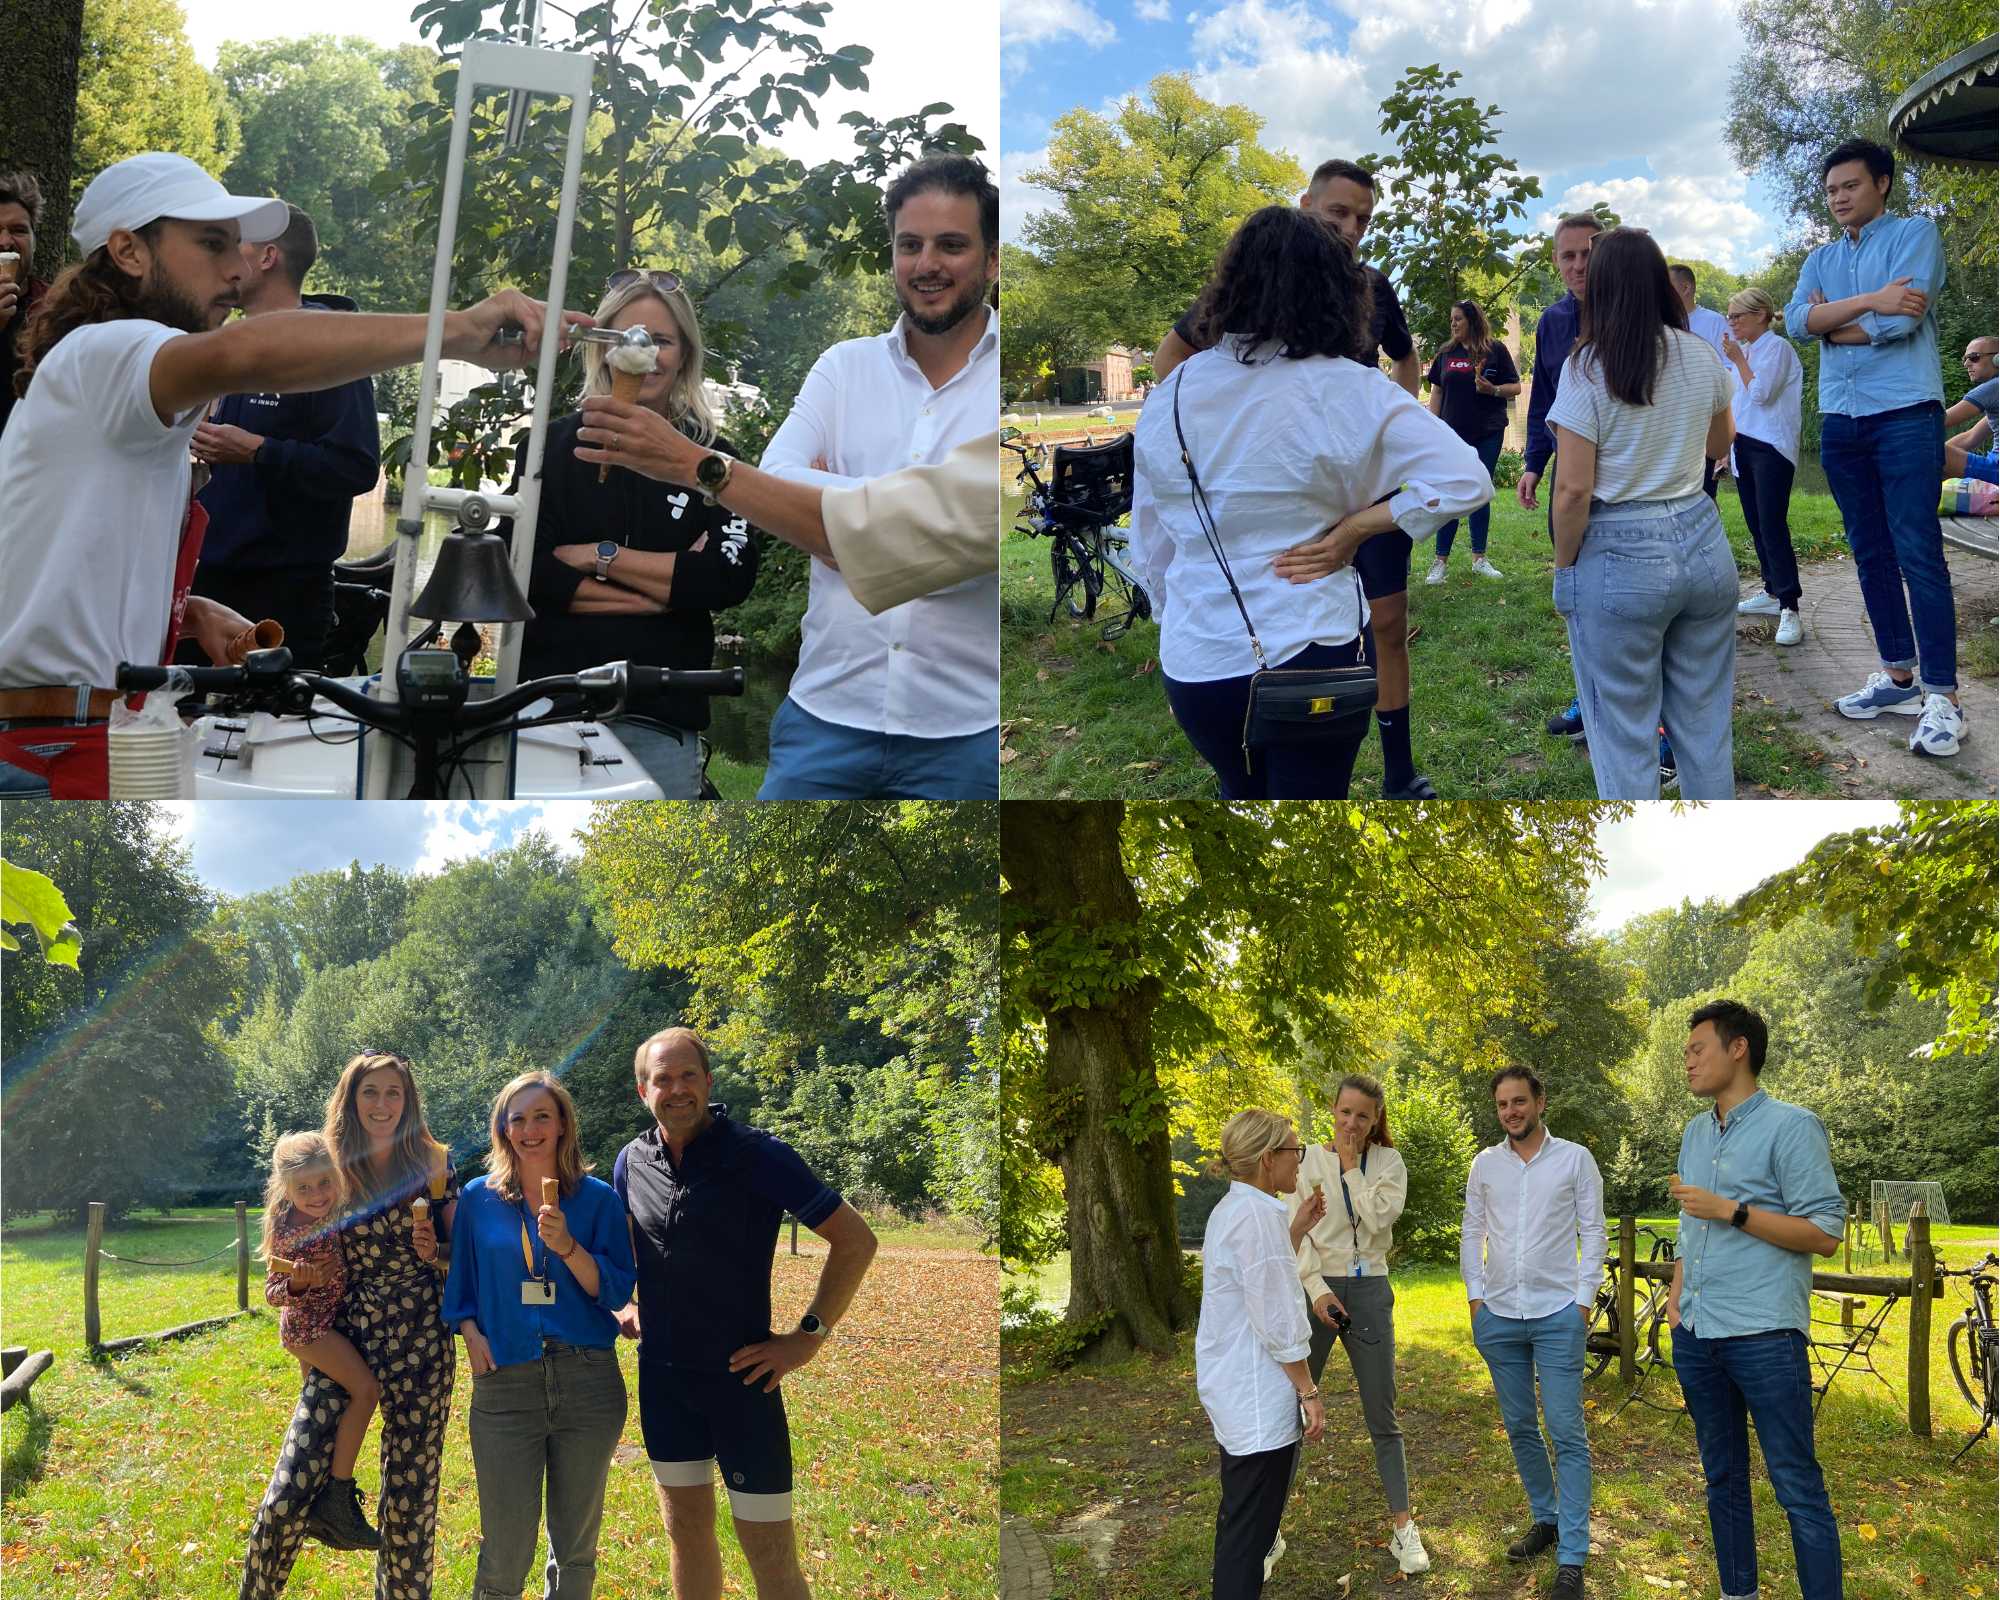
1025,23
457,830
1706,220
1017,197
1154,10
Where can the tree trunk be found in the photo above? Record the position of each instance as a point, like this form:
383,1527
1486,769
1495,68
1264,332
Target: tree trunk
42,40
1063,867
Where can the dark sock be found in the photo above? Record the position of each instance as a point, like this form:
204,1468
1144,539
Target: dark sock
1397,766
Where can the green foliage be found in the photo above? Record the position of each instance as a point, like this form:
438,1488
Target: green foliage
1444,198
1146,201
1049,319
318,920
1681,950
1713,285
1919,896
1508,469
32,898
1437,1145
1034,1336
139,87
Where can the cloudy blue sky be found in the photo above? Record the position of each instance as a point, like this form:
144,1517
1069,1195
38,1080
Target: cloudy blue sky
1617,102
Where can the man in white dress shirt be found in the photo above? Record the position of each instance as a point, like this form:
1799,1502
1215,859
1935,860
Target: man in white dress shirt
904,705
1704,324
1531,1249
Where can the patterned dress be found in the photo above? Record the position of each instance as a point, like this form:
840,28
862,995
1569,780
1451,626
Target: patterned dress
392,1312
308,1314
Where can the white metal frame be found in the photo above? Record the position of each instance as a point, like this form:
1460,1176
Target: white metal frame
493,65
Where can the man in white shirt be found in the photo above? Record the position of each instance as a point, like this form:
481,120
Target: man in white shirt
1531,1249
1712,326
125,353
905,704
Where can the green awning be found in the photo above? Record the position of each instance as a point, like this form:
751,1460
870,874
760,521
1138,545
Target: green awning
1950,117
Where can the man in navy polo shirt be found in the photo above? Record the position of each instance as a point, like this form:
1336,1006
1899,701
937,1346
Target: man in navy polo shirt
704,1195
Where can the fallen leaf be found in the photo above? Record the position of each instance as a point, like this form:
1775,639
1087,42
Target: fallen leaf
1867,1531
1041,675
1008,755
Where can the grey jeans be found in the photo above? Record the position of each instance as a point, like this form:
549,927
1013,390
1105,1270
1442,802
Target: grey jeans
1372,1305
1651,610
673,763
555,1420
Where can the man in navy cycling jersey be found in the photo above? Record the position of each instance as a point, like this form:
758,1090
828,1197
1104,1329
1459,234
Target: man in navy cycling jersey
704,1195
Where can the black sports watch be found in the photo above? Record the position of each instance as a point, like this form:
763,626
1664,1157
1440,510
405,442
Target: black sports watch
605,553
1742,1215
813,1325
711,474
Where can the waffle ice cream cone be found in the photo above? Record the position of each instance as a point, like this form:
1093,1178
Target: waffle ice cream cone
630,369
551,1192
440,1169
420,1208
266,635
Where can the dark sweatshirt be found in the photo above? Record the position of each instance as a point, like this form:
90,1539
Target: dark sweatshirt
640,514
1555,337
290,508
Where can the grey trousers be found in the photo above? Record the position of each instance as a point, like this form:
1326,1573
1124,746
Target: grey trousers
1372,1305
553,1421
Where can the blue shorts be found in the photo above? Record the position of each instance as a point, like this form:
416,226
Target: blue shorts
694,1422
1384,563
813,759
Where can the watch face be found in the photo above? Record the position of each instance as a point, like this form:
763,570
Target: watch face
711,469
606,550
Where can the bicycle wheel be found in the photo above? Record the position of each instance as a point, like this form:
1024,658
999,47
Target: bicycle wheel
1074,567
1596,1357
1965,1369
1663,1350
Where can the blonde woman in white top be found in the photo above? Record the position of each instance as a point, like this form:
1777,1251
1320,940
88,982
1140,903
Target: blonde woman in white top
1769,386
1343,1262
1251,1344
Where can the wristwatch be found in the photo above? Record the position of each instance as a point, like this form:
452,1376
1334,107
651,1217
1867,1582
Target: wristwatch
605,554
1742,1215
814,1325
711,474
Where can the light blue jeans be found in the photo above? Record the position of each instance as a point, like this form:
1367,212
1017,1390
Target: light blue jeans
1651,610
1518,1351
673,763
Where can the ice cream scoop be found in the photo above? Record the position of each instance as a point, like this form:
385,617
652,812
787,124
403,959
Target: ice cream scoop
420,1208
631,361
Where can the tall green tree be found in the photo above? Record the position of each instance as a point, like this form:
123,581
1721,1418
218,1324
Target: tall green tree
140,88
1148,198
1142,940
1681,950
42,42
1048,319
318,920
1446,198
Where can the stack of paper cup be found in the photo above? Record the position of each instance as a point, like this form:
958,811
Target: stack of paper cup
148,762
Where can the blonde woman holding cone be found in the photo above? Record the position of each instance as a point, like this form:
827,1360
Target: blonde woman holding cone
1251,1345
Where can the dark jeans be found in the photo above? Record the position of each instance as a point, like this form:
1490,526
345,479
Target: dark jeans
1765,1378
1764,488
298,599
1489,454
1211,715
1884,471
1254,1491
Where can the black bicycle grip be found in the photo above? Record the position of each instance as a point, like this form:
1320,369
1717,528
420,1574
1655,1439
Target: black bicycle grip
205,679
673,680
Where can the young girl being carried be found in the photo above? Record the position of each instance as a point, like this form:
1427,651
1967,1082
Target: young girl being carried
305,1279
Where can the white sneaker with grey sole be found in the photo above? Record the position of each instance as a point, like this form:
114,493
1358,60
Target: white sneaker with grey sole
1789,631
1407,1546
1484,568
1759,605
1437,572
1939,729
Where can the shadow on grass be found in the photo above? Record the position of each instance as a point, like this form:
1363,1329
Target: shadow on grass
21,1462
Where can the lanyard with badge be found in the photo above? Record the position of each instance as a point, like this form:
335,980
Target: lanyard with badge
538,1290
1354,1227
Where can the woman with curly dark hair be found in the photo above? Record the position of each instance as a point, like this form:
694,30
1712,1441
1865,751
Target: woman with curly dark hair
1301,452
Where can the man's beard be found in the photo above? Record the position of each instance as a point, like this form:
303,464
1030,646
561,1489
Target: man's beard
953,314
163,300
1526,1133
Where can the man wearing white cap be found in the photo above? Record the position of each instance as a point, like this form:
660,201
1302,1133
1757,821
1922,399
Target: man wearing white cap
119,365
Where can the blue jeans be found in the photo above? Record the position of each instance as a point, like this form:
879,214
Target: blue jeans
1765,1378
674,763
1518,1351
1489,453
1884,471
1651,609
812,759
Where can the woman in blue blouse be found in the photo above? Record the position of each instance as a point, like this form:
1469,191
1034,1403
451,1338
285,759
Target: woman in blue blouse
532,1291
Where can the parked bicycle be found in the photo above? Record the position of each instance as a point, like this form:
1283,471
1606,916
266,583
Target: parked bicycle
1652,1341
1078,510
1973,1342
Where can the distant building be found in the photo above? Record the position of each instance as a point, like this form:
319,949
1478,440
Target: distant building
1109,377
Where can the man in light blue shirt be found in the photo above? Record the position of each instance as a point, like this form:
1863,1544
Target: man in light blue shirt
1758,1201
1869,298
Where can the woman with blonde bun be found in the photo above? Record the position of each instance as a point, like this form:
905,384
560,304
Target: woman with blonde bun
1251,1345
1769,383
1344,1265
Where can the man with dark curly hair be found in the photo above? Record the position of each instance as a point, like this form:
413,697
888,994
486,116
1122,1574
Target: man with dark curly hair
20,216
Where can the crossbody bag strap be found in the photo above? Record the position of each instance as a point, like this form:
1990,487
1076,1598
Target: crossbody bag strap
1206,519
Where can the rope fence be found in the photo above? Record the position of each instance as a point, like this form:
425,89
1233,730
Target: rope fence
136,1261
94,1253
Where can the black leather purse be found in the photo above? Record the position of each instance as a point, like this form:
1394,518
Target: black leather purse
1288,705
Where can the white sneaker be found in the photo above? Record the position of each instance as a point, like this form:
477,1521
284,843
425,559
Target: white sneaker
1938,729
1273,1555
1484,568
1759,605
1789,631
1407,1546
1437,572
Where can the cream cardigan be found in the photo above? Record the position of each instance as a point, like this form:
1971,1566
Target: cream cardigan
1377,1197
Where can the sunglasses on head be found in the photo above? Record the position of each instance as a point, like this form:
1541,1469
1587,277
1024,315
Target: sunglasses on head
665,282
371,1053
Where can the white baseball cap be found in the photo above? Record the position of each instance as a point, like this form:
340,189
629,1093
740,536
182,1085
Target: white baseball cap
142,189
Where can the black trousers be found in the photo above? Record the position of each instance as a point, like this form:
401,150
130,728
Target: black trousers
1211,715
1254,1491
1764,486
299,599
1708,476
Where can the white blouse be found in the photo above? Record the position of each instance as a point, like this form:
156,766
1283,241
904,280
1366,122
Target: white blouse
1767,407
1253,1316
1284,450
1356,1230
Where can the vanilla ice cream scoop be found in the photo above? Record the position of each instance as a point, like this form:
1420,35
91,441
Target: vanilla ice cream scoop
634,356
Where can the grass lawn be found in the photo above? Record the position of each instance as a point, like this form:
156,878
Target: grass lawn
138,1475
1084,719
1131,1443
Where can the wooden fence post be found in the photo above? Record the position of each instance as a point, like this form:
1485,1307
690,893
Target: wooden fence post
242,1258
1922,1276
1847,1239
93,1241
1628,1244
